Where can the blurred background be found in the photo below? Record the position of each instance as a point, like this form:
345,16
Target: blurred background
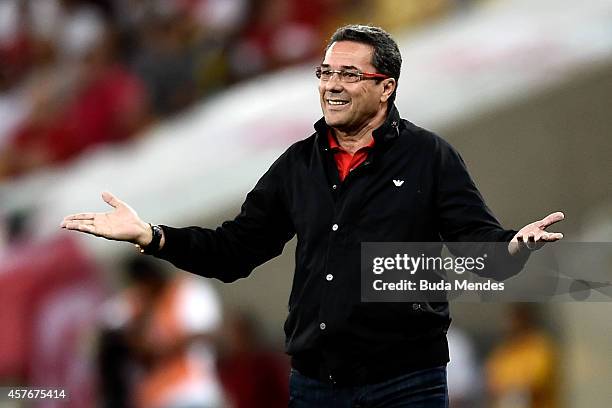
178,107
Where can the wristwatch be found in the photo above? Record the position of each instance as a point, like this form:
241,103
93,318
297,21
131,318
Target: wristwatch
153,246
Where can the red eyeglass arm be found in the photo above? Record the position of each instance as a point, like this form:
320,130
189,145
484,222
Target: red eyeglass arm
371,75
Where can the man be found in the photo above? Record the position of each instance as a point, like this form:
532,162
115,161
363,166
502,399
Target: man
523,368
161,326
365,175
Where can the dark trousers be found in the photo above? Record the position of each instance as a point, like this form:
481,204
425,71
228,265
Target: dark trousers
419,389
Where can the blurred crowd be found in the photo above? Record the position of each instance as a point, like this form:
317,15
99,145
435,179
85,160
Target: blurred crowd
76,74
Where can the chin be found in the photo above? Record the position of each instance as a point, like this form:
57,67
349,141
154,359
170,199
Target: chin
335,124
334,120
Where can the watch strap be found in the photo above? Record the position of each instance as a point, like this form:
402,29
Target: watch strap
153,246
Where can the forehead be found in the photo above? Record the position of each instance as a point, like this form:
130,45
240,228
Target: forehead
349,53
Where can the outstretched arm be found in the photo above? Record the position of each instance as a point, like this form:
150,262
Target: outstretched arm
533,236
228,252
120,224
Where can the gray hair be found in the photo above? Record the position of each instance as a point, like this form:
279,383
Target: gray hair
386,57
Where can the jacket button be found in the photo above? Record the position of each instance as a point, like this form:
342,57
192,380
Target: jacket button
334,186
329,276
322,326
335,227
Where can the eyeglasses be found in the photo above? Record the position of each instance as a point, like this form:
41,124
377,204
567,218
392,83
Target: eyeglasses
346,75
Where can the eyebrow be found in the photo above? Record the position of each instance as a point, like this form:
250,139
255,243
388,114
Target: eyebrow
342,66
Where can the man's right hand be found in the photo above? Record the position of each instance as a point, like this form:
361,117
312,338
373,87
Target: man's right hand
120,224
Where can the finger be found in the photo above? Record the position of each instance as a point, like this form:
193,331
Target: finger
551,219
77,217
84,222
530,242
78,226
80,216
551,236
110,199
544,238
521,242
87,228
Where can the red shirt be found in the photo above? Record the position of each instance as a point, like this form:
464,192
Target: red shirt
345,162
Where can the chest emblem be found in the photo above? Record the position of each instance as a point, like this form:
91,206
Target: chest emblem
398,183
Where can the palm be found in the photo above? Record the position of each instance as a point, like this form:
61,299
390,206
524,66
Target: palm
121,224
534,236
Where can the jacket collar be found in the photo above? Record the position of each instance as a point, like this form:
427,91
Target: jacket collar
386,132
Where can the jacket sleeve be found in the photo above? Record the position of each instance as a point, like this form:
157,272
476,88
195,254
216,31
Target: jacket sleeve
463,217
234,249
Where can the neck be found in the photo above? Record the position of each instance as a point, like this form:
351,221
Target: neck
354,139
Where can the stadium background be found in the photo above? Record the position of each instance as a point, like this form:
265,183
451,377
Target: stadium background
178,107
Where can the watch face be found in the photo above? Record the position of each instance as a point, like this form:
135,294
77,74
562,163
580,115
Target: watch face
153,246
157,233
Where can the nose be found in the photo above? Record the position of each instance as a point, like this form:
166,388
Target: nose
334,84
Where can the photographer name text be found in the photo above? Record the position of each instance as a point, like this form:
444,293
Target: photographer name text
425,285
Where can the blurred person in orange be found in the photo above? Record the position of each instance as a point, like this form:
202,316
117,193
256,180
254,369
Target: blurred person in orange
163,353
336,189
522,371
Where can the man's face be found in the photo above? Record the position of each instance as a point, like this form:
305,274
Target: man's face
351,106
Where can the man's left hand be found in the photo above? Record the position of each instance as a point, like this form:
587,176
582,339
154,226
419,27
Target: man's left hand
533,236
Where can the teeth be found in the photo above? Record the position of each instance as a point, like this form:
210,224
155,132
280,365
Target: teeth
336,102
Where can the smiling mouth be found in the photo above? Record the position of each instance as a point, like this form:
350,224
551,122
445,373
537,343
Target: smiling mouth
336,102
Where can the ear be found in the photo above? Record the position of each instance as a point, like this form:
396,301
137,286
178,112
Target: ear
389,86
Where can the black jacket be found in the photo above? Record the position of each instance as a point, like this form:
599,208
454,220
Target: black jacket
329,332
